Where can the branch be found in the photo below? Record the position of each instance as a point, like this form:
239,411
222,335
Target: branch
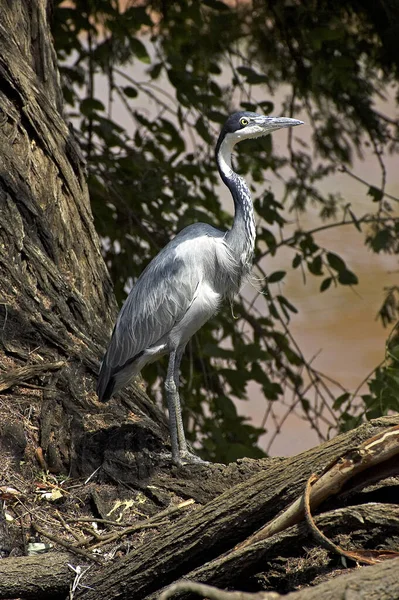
368,557
202,537
213,593
71,547
344,169
22,374
371,452
368,583
366,219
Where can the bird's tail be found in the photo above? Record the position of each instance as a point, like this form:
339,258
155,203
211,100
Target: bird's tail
112,379
106,382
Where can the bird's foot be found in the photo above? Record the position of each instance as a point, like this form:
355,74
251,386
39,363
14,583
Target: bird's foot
183,458
189,458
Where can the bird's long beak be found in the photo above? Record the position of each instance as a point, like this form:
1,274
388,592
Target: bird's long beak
273,123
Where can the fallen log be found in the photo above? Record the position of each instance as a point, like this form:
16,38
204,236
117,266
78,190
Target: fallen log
42,576
214,529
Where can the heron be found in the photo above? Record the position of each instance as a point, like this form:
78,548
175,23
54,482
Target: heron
185,284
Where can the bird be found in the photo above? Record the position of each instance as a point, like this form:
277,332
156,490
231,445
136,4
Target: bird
185,284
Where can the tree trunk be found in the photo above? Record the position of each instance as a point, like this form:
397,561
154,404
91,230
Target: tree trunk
56,296
66,460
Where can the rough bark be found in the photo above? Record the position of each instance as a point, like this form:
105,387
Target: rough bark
216,527
56,311
41,576
56,302
292,559
380,582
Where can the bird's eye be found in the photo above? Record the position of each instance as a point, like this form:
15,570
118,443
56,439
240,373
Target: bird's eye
244,121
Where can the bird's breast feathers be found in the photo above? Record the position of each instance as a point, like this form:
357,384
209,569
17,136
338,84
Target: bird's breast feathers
179,290
209,260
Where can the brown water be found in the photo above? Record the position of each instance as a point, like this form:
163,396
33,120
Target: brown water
337,327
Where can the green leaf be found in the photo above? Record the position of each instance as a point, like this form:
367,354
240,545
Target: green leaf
336,262
315,266
90,105
216,5
139,50
253,353
376,194
226,407
217,351
252,77
325,284
346,277
338,402
215,89
155,70
272,390
355,221
296,261
276,276
237,381
394,352
267,236
267,107
203,130
308,246
284,302
250,106
130,91
382,240
215,115
134,16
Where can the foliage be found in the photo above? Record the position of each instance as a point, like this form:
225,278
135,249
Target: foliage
176,69
383,396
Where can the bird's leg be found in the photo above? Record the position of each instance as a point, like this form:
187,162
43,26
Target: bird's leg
180,452
179,420
172,397
185,455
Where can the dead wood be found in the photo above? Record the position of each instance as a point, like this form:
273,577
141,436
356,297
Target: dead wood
378,449
291,559
219,525
42,576
72,547
361,584
363,557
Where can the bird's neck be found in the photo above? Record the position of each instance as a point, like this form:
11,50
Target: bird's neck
241,237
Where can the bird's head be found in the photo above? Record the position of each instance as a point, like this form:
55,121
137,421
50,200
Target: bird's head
248,125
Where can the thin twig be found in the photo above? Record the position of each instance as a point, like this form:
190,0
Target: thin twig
111,537
77,537
93,520
67,545
367,219
155,521
345,169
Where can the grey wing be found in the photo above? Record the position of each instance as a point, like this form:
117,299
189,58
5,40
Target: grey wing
160,298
